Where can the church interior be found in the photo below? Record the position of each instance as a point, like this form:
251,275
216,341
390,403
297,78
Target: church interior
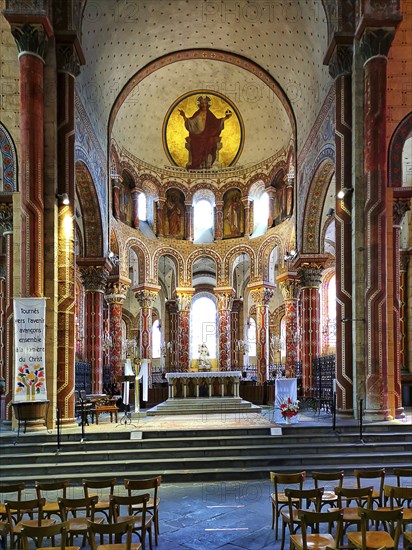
207,198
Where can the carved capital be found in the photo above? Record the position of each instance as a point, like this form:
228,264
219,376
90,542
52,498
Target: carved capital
146,297
400,207
3,272
6,217
224,298
94,278
261,295
311,275
116,293
67,59
30,38
184,298
341,61
404,260
290,288
376,42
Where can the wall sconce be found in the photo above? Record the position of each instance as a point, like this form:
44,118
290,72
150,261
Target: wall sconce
343,192
289,255
330,212
114,258
63,199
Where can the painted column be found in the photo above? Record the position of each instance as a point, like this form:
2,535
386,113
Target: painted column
188,221
289,286
271,191
400,207
7,347
340,68
184,301
135,207
375,44
310,278
116,295
68,67
246,207
146,296
172,336
235,318
219,220
159,215
116,196
31,42
94,281
224,298
408,330
261,295
403,316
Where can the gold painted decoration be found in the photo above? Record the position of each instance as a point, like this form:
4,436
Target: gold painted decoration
203,129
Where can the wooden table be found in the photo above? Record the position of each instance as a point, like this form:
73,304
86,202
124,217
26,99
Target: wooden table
105,405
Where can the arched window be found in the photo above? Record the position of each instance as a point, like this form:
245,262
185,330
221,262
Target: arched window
156,340
203,221
260,214
251,337
142,207
203,316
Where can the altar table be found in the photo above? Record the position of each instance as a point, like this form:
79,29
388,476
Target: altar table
284,388
189,384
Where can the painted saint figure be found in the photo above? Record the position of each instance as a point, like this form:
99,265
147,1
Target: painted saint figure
204,130
174,214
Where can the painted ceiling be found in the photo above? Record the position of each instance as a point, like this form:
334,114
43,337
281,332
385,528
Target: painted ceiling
286,39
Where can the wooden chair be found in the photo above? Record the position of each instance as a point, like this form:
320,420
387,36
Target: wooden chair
278,497
329,496
116,529
16,512
144,485
51,491
100,489
370,540
317,540
14,492
40,533
4,531
359,497
402,473
378,474
142,523
296,501
407,538
399,497
78,526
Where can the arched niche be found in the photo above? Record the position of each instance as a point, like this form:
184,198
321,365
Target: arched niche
90,212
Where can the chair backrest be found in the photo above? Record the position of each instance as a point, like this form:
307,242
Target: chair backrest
376,473
116,501
99,484
39,533
315,519
361,496
120,528
58,488
328,476
402,473
152,484
375,517
398,496
17,509
302,495
16,488
76,504
283,479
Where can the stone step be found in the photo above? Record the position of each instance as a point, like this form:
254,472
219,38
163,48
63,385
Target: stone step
214,405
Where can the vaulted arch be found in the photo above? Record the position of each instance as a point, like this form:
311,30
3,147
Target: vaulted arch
90,209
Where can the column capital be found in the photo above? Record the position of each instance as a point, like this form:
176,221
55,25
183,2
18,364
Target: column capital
67,59
310,274
404,259
289,286
376,42
146,294
400,207
184,298
6,217
30,39
94,277
261,293
116,292
340,62
224,297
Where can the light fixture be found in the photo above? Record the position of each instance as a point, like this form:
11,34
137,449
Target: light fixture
289,255
330,212
343,192
63,198
114,258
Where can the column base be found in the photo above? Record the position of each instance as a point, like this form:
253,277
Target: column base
375,415
400,413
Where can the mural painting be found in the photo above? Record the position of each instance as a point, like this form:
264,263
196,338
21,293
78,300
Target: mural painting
174,210
233,215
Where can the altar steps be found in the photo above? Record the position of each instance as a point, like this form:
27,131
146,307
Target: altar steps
201,455
203,406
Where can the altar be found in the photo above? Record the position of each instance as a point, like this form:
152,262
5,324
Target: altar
183,385
284,388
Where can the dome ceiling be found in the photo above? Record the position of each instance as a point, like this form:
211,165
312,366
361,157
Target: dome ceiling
286,39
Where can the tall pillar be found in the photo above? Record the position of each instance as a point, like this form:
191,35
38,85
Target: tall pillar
116,295
289,285
159,216
172,336
219,220
246,207
375,45
236,321
224,298
94,281
7,348
68,67
405,347
31,42
146,296
116,196
340,68
400,207
271,191
188,221
310,278
135,207
184,300
261,295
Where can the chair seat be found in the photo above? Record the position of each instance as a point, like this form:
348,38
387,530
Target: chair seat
150,504
374,539
51,506
320,541
134,546
286,516
79,525
351,514
137,519
407,513
282,498
329,496
58,548
33,523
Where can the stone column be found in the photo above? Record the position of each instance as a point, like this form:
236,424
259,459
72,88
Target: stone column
116,295
310,278
172,336
235,321
31,42
219,220
246,207
271,191
159,215
375,44
400,207
340,68
224,298
94,281
68,67
7,323
116,197
146,296
184,300
408,285
188,221
403,316
261,295
135,207
289,285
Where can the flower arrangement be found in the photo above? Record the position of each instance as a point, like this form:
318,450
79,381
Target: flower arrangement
31,379
289,408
